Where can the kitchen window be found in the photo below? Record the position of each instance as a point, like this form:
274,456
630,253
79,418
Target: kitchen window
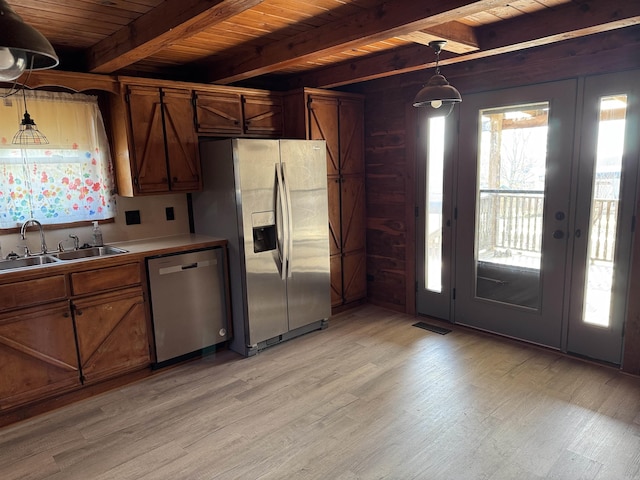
70,179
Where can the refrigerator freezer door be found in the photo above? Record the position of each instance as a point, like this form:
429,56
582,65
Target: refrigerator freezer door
304,167
255,163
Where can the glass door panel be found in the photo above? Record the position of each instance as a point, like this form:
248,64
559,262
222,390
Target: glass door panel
607,181
435,148
433,207
604,211
513,196
510,198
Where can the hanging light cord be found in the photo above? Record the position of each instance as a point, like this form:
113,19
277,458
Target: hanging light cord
437,47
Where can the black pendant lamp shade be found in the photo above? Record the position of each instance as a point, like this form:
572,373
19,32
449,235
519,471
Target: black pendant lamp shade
22,47
438,92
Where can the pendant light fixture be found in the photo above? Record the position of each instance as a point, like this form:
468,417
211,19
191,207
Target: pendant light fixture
28,134
438,93
21,46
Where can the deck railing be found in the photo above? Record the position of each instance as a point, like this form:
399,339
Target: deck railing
511,220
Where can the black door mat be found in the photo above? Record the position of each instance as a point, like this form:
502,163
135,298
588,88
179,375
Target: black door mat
432,328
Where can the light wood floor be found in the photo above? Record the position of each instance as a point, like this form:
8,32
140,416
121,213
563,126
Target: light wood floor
371,397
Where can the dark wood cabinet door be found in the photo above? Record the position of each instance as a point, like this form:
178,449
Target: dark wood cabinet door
323,125
262,115
335,229
351,136
182,141
219,113
112,334
353,213
354,276
335,264
148,156
37,354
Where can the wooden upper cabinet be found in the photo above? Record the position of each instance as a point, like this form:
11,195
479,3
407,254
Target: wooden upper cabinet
228,112
262,115
351,136
163,144
148,158
218,113
324,125
182,141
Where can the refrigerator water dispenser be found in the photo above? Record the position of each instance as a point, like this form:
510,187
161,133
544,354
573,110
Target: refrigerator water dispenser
264,231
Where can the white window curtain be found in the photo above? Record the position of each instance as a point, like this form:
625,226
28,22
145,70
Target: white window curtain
68,180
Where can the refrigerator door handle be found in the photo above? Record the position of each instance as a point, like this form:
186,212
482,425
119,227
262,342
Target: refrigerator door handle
289,220
281,196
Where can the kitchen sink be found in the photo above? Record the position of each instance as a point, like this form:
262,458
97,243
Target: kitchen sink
89,252
37,260
27,262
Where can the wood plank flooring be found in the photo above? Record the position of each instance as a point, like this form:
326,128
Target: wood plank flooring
371,397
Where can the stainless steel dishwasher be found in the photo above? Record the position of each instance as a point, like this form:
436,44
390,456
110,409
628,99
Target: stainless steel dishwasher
188,302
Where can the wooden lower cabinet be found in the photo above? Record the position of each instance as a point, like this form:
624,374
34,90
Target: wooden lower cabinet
38,355
60,332
112,334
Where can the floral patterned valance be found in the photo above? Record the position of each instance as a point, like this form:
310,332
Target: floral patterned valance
68,180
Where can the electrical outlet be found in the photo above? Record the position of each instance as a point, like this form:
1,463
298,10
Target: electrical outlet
132,217
169,213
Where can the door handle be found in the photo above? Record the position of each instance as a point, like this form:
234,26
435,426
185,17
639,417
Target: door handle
287,192
283,250
558,234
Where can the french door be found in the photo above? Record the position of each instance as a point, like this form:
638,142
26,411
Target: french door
539,197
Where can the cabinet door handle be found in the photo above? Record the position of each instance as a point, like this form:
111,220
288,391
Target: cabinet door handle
78,312
65,314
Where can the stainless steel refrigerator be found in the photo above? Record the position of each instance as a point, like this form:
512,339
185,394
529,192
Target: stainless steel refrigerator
269,199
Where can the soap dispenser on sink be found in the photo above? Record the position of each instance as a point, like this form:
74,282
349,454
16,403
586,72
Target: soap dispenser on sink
97,235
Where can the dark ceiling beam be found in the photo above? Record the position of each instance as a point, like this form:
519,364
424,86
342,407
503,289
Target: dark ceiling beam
168,23
569,21
387,20
612,51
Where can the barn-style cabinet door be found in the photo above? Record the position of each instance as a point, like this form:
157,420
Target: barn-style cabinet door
339,120
163,142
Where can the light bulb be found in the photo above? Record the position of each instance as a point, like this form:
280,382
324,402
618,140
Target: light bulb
12,63
436,103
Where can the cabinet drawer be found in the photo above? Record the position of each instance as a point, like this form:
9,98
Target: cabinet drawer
105,279
32,292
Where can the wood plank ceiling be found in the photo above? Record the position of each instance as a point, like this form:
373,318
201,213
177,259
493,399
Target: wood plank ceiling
318,43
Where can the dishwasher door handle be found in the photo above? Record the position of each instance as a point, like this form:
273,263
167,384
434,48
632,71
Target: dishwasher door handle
187,266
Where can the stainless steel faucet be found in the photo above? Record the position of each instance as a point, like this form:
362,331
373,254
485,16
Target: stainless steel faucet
76,241
23,231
